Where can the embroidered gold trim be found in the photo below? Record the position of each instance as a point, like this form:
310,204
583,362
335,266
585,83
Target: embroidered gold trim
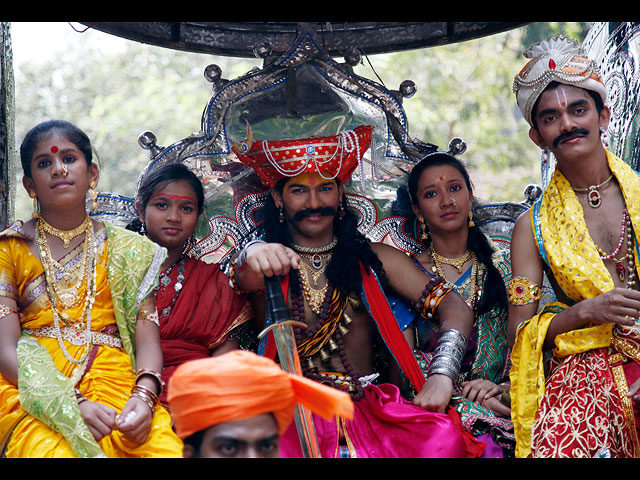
627,406
625,348
342,426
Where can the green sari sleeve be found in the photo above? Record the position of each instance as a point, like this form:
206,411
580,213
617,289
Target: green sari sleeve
134,264
49,396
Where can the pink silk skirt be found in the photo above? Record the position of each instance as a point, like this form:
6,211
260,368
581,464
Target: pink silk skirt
386,425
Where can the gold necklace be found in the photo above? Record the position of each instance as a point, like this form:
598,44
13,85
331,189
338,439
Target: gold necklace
454,262
90,294
323,249
66,235
317,260
475,288
315,296
593,197
65,294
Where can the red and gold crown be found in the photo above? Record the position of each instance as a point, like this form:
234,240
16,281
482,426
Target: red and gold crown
334,157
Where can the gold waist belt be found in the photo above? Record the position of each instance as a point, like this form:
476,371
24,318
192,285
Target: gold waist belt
76,337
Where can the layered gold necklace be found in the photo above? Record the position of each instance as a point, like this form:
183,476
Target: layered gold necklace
61,298
313,294
458,263
319,258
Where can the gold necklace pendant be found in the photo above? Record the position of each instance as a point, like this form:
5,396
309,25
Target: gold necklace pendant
458,263
65,235
318,261
315,296
594,198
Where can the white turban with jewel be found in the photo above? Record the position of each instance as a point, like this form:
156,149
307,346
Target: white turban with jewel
557,59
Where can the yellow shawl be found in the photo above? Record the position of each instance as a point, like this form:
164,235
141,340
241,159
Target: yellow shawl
576,265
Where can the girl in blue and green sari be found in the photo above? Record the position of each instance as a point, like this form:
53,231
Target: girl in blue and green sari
440,197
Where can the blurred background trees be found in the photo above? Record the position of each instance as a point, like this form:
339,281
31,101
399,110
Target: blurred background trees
463,90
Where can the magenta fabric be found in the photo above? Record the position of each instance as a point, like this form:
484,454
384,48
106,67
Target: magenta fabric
386,425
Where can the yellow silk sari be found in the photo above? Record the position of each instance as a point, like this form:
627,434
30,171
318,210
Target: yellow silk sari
109,376
565,244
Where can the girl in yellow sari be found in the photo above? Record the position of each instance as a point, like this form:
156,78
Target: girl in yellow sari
79,343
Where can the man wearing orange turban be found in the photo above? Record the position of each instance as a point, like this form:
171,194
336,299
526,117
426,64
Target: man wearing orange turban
239,403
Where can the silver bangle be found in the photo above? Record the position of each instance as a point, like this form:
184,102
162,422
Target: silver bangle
448,354
242,258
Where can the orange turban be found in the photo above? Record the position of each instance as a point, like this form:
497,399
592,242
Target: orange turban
240,385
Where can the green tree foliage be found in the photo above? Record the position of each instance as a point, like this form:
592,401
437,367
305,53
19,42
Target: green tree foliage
464,90
115,97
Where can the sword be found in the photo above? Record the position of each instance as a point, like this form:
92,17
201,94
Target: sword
282,329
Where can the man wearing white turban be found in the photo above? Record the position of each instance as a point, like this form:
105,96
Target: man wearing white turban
575,361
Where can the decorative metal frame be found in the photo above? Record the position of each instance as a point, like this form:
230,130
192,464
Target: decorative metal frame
232,190
616,47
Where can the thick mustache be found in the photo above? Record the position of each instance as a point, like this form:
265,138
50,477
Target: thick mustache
566,135
325,211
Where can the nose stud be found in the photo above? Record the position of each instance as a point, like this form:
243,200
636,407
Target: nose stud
453,200
65,171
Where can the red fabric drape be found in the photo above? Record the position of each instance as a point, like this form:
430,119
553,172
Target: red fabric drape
205,311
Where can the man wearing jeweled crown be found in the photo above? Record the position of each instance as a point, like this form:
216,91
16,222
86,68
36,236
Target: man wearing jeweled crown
331,277
575,361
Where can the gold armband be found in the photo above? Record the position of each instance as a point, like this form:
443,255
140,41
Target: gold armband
522,291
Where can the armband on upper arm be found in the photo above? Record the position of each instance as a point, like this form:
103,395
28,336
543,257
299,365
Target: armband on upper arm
150,315
5,311
522,291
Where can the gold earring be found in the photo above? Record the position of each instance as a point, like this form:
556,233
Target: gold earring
36,206
93,195
424,233
471,222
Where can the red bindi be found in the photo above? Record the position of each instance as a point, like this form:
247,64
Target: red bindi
54,149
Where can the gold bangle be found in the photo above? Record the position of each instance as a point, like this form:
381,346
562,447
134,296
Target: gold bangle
146,395
145,371
522,291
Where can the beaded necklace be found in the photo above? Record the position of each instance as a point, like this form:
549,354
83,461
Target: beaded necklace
625,234
165,281
328,333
